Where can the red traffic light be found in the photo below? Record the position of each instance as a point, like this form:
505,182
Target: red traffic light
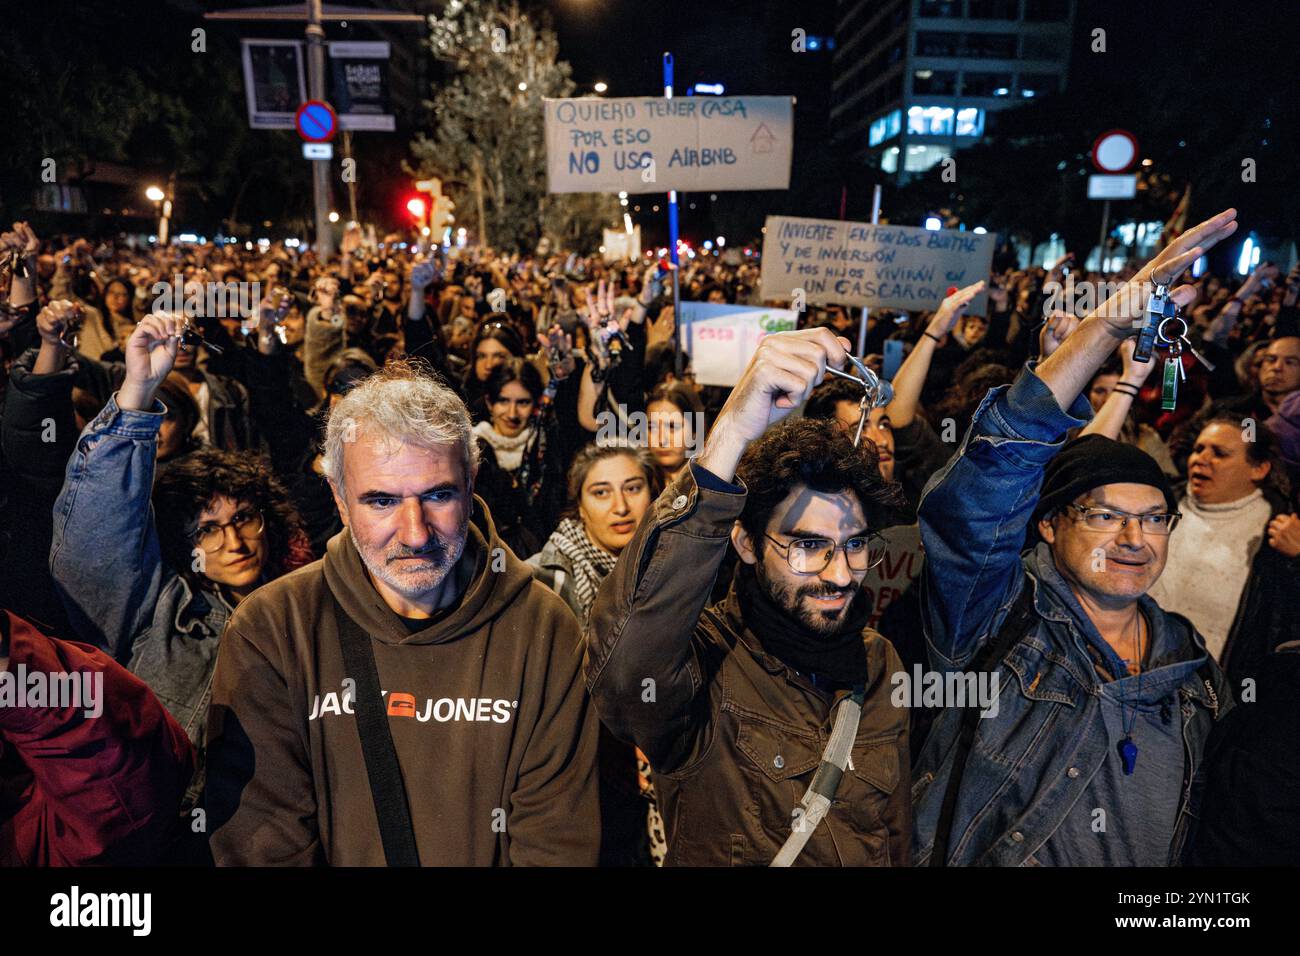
415,206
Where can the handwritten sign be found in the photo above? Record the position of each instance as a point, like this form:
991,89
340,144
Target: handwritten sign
857,263
722,338
900,566
652,145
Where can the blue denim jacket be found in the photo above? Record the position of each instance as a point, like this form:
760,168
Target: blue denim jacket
109,571
1031,762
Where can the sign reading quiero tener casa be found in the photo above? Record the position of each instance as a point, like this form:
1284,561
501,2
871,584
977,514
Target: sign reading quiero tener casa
857,263
653,145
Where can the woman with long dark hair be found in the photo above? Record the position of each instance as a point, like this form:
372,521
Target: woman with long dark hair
494,343
676,426
610,490
521,476
610,487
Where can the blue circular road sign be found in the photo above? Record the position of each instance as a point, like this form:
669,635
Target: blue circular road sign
316,121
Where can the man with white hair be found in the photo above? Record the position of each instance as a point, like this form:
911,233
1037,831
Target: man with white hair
414,697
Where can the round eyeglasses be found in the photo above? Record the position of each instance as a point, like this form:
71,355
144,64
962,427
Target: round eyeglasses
210,536
814,555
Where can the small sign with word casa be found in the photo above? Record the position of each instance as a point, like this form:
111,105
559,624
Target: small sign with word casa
721,339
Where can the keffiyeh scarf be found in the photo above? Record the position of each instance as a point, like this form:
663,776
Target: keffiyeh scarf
590,563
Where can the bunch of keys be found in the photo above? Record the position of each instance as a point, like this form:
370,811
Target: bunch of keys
875,392
1167,329
68,334
190,336
1171,334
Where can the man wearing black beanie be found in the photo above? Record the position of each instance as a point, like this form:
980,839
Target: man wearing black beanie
1104,700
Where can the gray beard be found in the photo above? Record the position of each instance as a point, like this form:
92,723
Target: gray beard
443,554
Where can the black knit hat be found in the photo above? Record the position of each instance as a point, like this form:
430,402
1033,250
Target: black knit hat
1092,461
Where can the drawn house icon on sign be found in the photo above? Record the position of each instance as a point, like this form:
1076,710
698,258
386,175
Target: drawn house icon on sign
762,140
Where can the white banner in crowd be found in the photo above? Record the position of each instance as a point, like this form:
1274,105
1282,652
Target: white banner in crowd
857,263
652,145
620,244
721,338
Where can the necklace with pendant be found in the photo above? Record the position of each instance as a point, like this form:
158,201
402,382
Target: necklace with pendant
1128,750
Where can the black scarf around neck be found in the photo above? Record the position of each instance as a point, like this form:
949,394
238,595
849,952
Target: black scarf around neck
838,660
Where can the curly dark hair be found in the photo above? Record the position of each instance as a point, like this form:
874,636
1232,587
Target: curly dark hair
187,485
821,403
977,360
815,453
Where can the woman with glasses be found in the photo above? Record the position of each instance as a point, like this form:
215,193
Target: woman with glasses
151,570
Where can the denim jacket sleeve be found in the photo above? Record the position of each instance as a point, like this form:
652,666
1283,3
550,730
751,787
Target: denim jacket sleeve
976,509
106,561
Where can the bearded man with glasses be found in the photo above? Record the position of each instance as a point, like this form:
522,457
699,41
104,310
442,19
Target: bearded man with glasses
766,718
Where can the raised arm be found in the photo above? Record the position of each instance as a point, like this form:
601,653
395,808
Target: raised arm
106,559
640,635
976,510
909,380
1072,366
1114,412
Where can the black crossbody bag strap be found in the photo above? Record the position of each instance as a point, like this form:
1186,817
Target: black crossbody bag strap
382,769
1017,624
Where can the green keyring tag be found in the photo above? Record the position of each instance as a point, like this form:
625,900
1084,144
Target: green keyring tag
1169,391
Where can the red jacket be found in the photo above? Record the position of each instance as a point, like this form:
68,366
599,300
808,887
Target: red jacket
77,789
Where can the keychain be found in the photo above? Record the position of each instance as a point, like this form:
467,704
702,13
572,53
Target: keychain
1173,373
876,393
1160,308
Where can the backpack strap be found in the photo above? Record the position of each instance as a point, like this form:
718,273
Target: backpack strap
1019,620
384,773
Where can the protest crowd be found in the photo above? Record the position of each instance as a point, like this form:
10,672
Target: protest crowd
442,556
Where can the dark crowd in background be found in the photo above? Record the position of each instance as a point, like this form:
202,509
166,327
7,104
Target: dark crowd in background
126,547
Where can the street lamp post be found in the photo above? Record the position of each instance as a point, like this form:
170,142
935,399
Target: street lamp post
320,168
156,196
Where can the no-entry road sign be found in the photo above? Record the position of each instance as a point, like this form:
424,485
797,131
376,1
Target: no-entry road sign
1115,151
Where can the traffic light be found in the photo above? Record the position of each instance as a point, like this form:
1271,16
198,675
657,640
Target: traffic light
416,206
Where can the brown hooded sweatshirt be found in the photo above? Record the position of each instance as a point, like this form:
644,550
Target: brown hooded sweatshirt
489,718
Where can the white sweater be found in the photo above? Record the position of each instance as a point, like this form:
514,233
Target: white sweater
1210,553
